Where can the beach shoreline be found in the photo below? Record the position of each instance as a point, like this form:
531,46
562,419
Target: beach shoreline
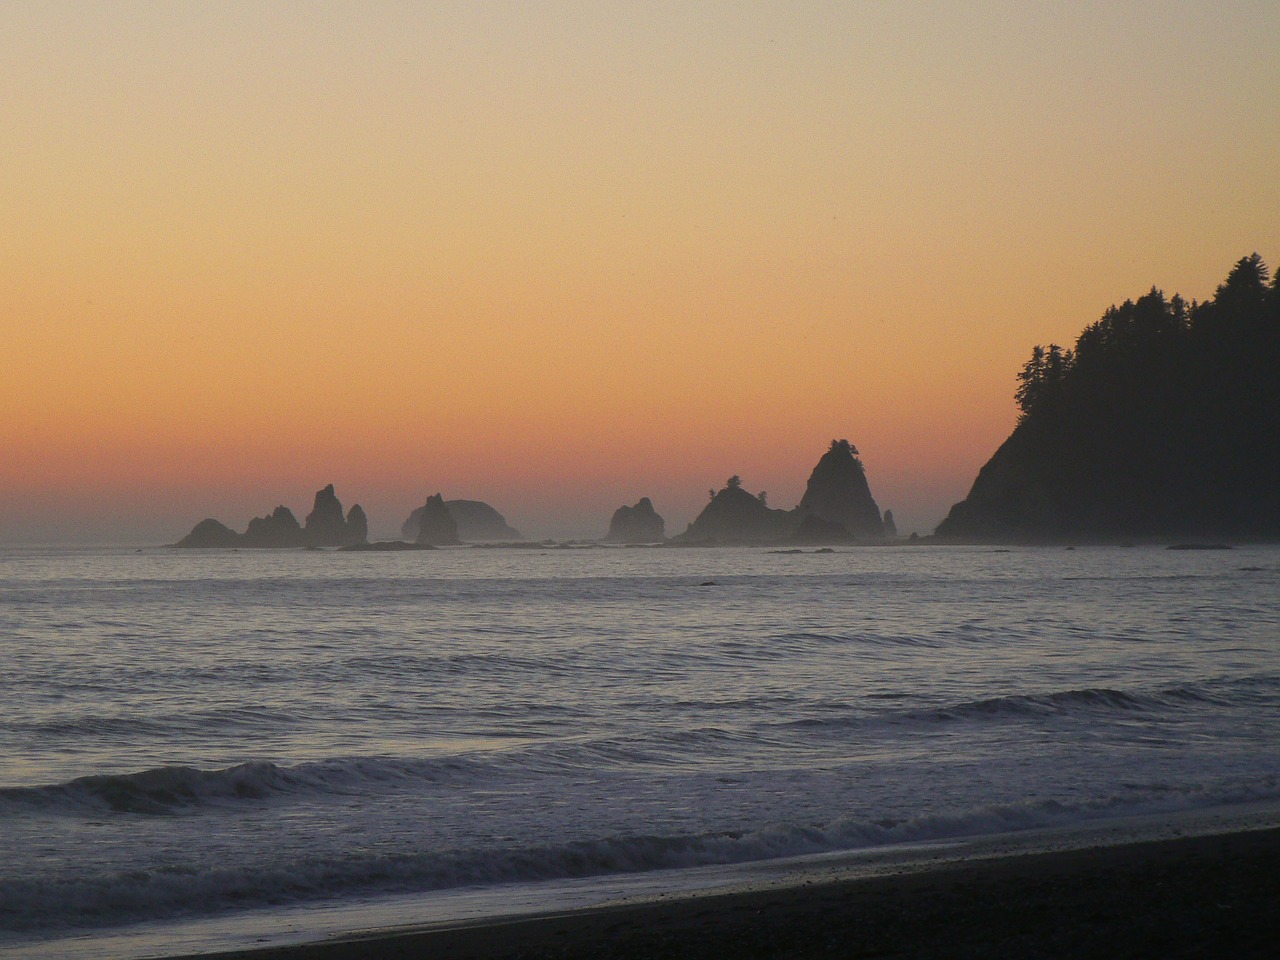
1214,894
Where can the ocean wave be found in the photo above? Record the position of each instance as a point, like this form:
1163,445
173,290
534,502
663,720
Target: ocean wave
105,898
1227,693
175,789
1237,691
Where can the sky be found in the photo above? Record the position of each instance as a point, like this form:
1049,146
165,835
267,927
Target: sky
559,256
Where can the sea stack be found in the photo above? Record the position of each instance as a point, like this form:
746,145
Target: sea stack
476,520
736,516
280,528
210,533
357,526
838,493
837,508
638,524
437,526
326,526
890,527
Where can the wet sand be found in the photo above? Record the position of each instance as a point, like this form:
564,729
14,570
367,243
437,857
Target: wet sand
1204,896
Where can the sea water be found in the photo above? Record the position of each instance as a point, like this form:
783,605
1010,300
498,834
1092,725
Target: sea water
193,735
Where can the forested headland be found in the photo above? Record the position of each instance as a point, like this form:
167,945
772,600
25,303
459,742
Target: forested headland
1163,421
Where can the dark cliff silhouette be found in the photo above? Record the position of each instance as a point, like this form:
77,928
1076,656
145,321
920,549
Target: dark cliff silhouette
325,527
1163,421
436,525
638,524
837,507
476,520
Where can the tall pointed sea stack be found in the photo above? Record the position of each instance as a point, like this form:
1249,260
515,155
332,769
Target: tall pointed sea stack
838,493
437,526
837,507
325,525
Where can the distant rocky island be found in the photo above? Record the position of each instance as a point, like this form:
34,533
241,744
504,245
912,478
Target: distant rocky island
638,524
437,523
1162,422
837,507
473,521
326,526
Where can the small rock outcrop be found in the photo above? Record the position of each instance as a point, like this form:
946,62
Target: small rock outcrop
838,493
436,525
638,524
384,546
210,533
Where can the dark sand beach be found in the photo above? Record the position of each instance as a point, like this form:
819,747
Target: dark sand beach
1203,896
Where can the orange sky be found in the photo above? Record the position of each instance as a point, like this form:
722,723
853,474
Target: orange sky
559,256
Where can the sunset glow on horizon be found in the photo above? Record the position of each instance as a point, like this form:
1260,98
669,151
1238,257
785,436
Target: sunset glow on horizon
561,256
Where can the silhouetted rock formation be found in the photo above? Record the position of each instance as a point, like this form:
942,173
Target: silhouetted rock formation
476,520
210,533
279,529
357,526
436,525
1161,423
325,525
838,493
890,528
638,524
837,508
735,516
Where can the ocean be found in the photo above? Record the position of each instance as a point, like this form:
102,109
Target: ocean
235,742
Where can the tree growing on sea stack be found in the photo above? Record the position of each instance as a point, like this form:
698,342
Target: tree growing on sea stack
838,493
837,508
736,516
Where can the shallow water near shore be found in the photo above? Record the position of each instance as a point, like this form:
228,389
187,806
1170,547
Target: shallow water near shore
197,737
